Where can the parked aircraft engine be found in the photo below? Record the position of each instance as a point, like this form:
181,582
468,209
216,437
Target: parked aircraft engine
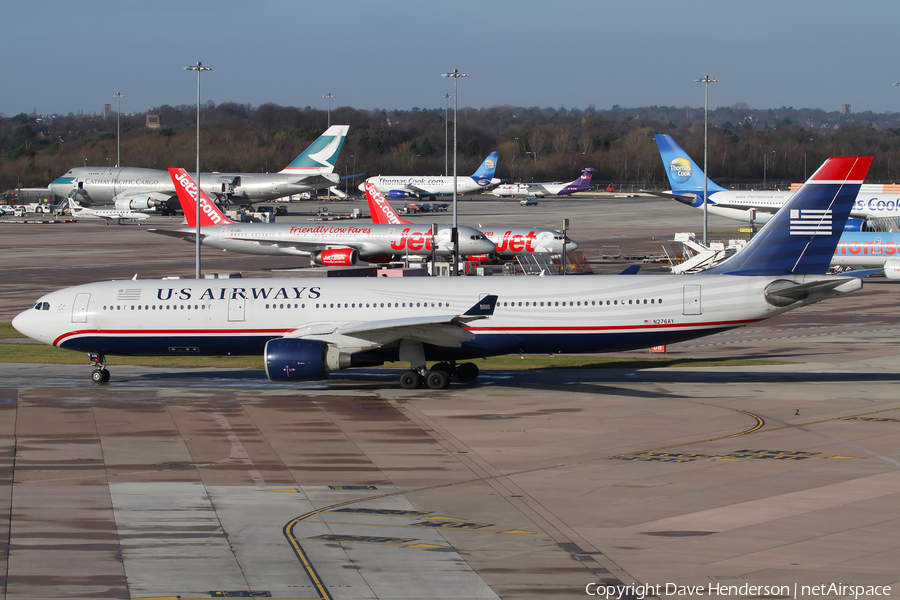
137,203
289,359
892,268
336,257
398,194
855,225
479,257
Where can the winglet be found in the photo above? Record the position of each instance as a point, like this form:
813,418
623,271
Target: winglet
800,239
382,212
187,194
631,270
482,308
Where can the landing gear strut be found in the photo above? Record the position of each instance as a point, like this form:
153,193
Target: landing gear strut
100,374
438,378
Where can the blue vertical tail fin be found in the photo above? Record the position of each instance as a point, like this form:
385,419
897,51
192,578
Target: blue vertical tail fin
683,173
800,239
321,155
487,168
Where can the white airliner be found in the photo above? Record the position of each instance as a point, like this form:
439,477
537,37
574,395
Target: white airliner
539,190
332,244
686,179
306,328
108,215
133,188
403,186
510,241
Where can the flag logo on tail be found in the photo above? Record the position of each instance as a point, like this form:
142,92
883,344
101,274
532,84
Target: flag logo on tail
810,222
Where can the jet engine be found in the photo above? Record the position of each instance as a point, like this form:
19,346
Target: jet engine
892,268
337,257
855,225
479,257
289,359
398,194
137,203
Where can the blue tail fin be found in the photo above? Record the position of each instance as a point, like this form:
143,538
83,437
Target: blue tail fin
486,170
683,173
322,153
800,239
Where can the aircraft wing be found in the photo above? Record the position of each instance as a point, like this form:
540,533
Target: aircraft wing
188,236
687,198
440,330
306,246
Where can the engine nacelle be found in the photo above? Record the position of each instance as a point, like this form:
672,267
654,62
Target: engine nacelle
398,194
892,268
137,203
289,359
855,225
336,257
479,257
295,360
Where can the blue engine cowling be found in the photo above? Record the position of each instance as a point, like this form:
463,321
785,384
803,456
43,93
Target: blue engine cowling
398,194
295,360
855,225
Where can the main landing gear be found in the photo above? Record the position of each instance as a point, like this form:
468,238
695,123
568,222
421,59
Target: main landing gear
438,378
100,374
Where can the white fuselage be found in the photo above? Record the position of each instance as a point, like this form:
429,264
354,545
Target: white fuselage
106,185
592,313
369,239
427,186
737,205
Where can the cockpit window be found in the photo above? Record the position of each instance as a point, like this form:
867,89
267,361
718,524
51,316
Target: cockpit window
41,306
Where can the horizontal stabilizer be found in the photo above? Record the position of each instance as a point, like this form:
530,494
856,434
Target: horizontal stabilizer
785,293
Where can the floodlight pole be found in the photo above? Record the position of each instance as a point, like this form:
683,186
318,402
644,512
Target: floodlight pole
199,67
118,96
454,235
446,152
329,95
706,80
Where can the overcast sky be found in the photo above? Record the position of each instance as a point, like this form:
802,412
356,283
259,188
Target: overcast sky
61,57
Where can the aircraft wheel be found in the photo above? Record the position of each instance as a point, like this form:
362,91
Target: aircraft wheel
97,376
467,372
438,380
410,380
443,366
105,375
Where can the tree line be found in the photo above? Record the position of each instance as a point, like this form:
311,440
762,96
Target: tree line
747,147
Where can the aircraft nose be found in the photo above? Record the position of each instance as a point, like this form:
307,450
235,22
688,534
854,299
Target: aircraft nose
571,245
24,324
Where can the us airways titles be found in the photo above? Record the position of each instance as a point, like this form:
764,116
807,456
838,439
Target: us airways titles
270,293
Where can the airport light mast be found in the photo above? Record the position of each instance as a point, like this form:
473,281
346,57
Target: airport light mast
329,95
454,236
118,96
706,80
199,67
446,144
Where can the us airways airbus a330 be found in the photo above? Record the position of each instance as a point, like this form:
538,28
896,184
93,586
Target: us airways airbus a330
132,188
307,328
325,244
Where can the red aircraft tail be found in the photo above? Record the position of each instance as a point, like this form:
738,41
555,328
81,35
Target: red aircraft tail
187,194
382,212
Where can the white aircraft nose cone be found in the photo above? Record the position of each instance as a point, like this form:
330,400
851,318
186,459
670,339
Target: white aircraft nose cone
22,322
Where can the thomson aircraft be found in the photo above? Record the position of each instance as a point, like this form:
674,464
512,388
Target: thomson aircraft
582,184
403,186
326,244
132,188
686,179
108,215
510,241
305,328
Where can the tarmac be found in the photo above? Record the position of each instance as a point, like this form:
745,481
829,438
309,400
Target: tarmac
544,483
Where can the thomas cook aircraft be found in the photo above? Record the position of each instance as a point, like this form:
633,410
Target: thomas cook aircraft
307,328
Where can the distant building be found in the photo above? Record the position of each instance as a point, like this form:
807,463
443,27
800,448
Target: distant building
153,121
845,109
107,110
